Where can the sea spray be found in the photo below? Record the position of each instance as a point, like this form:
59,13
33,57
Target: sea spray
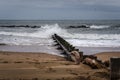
49,30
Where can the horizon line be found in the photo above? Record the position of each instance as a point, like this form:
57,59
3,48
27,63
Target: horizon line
53,19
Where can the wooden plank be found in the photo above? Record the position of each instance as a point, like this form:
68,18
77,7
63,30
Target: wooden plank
115,68
64,49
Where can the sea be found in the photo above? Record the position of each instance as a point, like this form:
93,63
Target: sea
35,35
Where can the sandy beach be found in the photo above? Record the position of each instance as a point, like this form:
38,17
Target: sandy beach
43,66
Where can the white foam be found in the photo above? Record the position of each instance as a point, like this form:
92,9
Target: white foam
15,41
99,26
95,43
97,36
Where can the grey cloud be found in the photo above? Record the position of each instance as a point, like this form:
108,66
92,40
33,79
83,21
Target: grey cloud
37,9
58,3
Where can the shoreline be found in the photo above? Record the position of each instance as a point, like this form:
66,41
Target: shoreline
30,49
51,49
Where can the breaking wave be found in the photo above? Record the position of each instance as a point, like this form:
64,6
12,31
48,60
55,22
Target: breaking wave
44,32
47,30
42,36
99,26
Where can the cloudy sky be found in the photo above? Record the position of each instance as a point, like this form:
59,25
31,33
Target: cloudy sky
59,9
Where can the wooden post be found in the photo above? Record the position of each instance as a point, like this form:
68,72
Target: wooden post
115,68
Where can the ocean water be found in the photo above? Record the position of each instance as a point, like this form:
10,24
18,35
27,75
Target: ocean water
101,33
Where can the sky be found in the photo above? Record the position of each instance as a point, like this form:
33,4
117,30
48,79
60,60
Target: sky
59,9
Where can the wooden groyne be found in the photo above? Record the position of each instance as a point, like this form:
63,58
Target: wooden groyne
65,46
71,53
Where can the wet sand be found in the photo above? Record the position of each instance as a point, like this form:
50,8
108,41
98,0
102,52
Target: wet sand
51,49
43,66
